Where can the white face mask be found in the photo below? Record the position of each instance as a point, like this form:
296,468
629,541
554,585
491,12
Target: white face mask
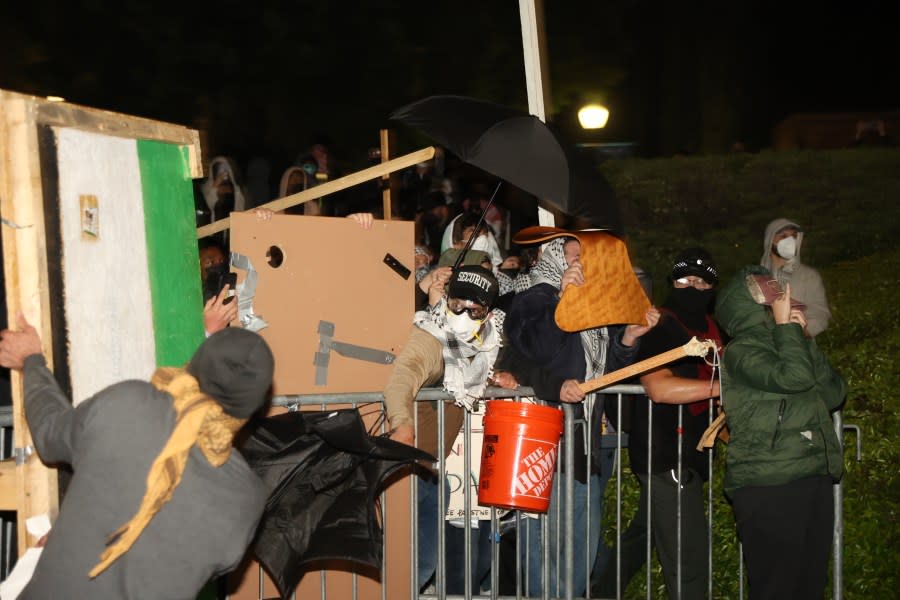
787,248
480,243
462,325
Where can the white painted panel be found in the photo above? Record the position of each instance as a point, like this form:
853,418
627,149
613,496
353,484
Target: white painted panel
107,289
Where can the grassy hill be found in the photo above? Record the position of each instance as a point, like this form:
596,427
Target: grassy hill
849,204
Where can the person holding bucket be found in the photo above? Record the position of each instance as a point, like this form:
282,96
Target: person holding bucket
553,362
454,342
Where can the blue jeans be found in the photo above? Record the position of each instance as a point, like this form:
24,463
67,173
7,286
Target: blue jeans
584,542
427,524
480,548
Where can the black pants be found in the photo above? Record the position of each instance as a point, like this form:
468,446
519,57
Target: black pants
787,532
663,500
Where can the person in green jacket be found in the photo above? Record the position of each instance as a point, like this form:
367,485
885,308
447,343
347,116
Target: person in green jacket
778,391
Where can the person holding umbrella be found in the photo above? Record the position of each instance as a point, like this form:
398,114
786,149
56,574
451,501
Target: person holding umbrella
454,342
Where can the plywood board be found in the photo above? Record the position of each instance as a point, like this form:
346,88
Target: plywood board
332,271
46,196
107,271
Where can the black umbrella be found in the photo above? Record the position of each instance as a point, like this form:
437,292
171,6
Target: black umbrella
323,472
520,149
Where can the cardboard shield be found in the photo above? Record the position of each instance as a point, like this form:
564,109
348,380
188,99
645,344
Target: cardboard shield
611,294
337,299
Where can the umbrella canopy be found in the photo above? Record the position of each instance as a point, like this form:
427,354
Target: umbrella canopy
323,473
520,149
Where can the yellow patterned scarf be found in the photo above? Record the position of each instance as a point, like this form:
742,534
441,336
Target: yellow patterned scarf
199,420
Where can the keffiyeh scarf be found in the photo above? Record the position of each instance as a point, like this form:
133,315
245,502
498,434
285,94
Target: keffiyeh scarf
467,364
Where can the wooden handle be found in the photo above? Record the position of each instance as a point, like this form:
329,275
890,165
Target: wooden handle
694,347
330,187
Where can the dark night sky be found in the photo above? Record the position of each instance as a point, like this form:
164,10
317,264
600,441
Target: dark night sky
269,78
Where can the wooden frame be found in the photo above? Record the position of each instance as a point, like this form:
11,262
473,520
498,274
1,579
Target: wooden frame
25,256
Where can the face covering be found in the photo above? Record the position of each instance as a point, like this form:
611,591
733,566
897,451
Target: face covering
511,273
787,248
691,305
480,243
462,325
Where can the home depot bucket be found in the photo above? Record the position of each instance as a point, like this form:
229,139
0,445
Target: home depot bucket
518,455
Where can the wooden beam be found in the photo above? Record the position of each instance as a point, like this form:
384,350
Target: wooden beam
537,80
8,485
336,185
63,114
25,268
389,181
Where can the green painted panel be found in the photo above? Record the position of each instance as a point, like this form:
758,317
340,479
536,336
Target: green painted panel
173,263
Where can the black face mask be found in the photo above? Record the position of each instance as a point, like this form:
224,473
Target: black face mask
511,273
223,206
691,305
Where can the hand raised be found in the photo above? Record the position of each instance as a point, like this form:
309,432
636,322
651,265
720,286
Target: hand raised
574,275
781,306
219,311
16,346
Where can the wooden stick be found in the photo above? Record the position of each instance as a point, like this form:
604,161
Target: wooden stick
694,347
407,160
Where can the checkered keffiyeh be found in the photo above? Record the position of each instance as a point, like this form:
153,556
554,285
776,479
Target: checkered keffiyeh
549,269
467,365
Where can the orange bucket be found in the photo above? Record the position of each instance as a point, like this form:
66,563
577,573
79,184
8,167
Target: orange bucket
518,455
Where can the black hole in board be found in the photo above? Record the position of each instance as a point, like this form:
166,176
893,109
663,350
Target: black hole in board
274,256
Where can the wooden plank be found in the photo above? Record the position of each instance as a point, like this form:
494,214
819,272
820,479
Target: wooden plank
342,183
537,80
8,485
64,114
25,266
389,181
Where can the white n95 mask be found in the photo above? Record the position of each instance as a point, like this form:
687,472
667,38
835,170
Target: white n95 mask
787,248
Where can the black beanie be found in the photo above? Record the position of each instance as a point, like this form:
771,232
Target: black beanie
696,261
474,283
234,367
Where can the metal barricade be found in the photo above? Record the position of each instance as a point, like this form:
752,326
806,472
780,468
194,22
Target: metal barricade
497,583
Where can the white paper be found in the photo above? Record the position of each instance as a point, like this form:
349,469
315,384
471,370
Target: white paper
13,585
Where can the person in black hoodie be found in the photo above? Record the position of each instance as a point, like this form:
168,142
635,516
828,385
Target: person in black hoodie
688,381
553,362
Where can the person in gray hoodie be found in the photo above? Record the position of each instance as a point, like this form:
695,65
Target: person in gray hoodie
781,256
159,502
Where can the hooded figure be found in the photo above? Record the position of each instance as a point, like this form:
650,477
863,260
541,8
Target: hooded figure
159,503
778,391
295,180
222,192
781,256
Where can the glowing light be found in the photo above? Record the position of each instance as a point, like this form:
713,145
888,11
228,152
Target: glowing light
593,116
56,99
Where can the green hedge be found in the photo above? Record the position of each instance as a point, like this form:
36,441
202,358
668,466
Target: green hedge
849,204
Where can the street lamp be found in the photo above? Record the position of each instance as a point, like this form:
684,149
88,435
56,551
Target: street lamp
593,116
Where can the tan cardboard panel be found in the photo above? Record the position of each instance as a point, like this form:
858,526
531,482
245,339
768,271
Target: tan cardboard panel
332,270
